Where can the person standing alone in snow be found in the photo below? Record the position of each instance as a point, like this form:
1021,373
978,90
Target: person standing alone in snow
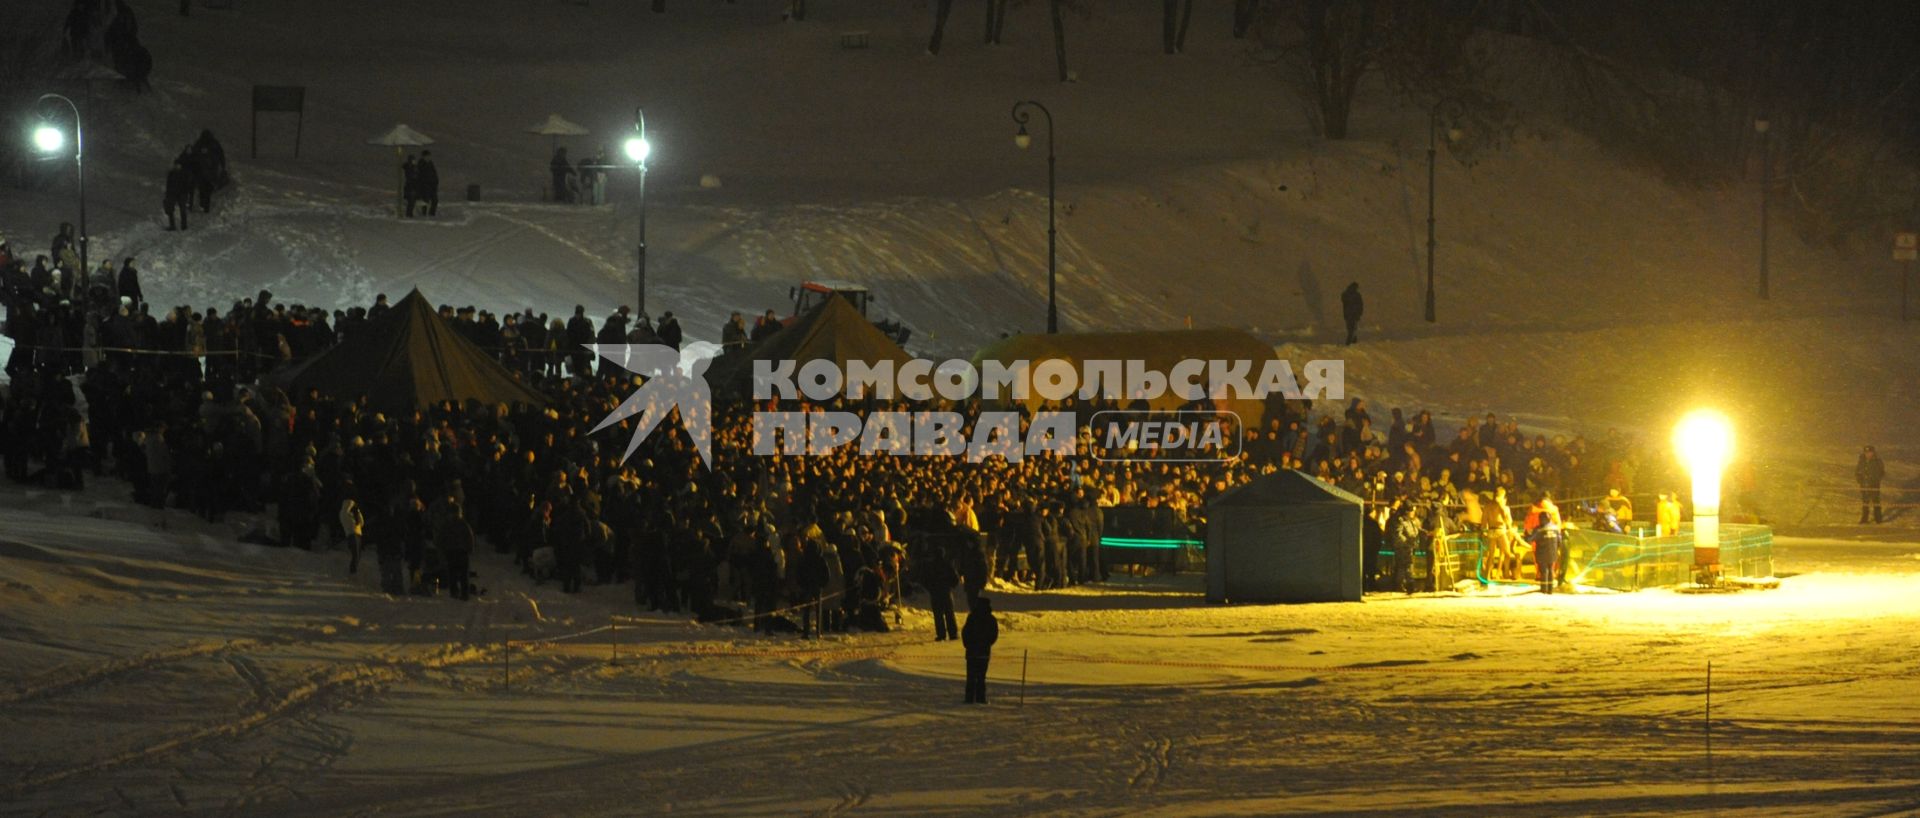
1868,472
978,636
178,195
1351,307
428,183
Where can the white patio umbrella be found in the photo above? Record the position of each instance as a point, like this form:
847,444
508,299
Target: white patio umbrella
401,138
557,126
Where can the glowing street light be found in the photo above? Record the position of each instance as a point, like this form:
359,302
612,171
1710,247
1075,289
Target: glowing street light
637,149
1704,441
50,139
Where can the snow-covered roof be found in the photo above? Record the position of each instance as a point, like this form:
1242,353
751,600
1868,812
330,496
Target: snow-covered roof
401,136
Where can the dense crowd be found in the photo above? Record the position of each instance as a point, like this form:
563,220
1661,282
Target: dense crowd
173,405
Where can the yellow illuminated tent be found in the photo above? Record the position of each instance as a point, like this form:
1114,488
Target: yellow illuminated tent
1157,351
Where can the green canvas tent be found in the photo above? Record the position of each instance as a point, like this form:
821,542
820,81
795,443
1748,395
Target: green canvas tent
833,331
410,359
1285,537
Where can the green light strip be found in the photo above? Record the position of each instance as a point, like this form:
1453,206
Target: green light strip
1141,542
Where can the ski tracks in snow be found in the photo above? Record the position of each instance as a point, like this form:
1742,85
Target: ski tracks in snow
325,689
1154,760
62,682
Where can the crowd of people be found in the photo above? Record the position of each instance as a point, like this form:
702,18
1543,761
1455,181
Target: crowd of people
173,405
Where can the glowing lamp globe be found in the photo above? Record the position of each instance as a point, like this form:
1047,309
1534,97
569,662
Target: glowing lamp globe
48,138
1023,139
637,149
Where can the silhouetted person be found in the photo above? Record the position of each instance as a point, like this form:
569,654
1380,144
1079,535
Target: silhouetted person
129,283
1868,472
978,636
178,195
410,183
1351,307
562,176
429,183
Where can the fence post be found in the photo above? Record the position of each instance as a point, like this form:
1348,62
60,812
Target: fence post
1023,678
613,627
1709,718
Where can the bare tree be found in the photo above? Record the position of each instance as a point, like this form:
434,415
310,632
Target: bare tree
1326,47
940,13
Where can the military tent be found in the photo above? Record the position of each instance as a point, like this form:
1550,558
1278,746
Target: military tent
1155,351
409,359
1285,537
833,331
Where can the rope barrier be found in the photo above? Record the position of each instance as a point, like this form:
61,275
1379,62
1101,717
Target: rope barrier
561,638
133,351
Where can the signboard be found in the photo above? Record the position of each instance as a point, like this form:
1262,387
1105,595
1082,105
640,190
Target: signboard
1906,246
278,99
284,98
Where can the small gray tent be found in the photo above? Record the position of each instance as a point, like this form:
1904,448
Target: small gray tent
1285,537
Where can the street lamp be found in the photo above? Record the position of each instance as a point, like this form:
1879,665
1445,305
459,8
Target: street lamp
50,139
1761,127
1433,144
1704,440
1024,141
637,148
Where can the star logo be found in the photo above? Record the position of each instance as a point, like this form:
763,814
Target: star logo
667,388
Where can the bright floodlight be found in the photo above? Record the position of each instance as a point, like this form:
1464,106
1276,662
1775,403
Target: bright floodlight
48,138
1023,139
637,148
1704,441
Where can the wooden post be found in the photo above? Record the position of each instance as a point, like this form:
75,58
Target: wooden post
613,627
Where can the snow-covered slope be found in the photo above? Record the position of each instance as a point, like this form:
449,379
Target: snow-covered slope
1570,286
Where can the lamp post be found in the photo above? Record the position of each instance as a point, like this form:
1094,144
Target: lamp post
1761,126
1024,140
49,139
637,149
1433,145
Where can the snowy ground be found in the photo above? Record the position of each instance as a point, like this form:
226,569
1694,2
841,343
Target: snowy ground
163,670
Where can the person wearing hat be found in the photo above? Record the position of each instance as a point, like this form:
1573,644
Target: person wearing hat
977,637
